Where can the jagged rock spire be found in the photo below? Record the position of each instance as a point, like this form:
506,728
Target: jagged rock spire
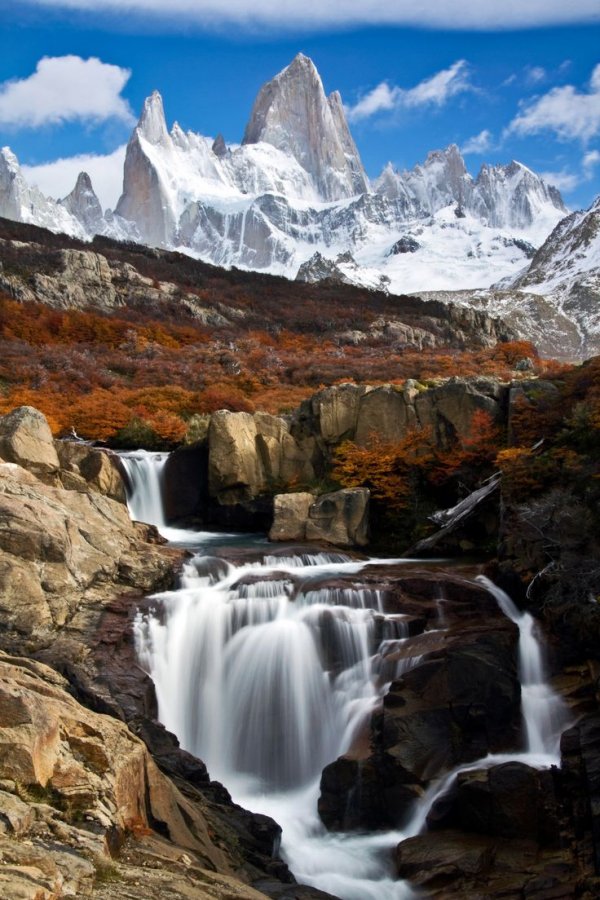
83,203
152,125
292,113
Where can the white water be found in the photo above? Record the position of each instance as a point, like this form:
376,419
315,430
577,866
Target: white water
545,715
268,674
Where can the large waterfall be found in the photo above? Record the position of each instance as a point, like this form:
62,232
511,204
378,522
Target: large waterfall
268,671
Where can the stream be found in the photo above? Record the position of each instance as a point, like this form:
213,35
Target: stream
268,675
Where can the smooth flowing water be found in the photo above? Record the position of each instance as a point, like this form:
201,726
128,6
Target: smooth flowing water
268,673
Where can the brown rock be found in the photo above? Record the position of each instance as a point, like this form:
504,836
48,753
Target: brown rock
84,467
340,518
385,413
26,439
59,548
290,517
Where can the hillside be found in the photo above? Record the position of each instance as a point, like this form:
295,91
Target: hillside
131,333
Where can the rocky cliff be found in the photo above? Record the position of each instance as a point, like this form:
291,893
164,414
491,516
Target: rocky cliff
97,799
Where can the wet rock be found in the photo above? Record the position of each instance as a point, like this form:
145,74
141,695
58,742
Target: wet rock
26,439
511,800
185,483
340,518
366,794
460,703
455,864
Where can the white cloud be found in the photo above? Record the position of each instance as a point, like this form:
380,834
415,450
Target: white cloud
589,162
467,14
535,74
57,179
434,91
569,113
563,180
479,143
64,89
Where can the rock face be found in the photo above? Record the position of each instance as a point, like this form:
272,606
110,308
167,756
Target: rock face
250,454
76,786
145,199
59,549
20,201
360,412
566,272
340,518
293,114
26,439
452,699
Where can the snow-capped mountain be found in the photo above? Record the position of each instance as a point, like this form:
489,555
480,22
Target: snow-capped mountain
295,194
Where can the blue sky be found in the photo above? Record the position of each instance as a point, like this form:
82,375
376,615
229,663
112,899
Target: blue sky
74,73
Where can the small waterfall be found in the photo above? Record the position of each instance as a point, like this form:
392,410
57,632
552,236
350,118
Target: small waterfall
545,715
144,495
268,685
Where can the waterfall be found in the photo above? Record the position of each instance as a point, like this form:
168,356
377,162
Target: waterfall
270,670
144,491
268,676
545,715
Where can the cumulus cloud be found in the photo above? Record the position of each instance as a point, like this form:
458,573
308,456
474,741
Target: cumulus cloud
65,89
563,180
479,143
468,14
57,179
566,111
434,91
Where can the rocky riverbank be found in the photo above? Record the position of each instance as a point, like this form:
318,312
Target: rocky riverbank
99,800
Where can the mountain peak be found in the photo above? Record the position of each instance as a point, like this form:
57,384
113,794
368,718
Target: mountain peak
292,113
152,124
83,203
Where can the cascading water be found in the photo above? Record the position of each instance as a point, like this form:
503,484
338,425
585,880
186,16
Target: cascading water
268,674
144,494
545,715
269,678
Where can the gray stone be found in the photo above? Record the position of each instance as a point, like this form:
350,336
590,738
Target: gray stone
290,517
340,518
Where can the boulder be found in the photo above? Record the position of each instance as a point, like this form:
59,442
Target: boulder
251,454
290,516
511,800
340,518
455,864
86,468
366,794
61,548
461,702
26,439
